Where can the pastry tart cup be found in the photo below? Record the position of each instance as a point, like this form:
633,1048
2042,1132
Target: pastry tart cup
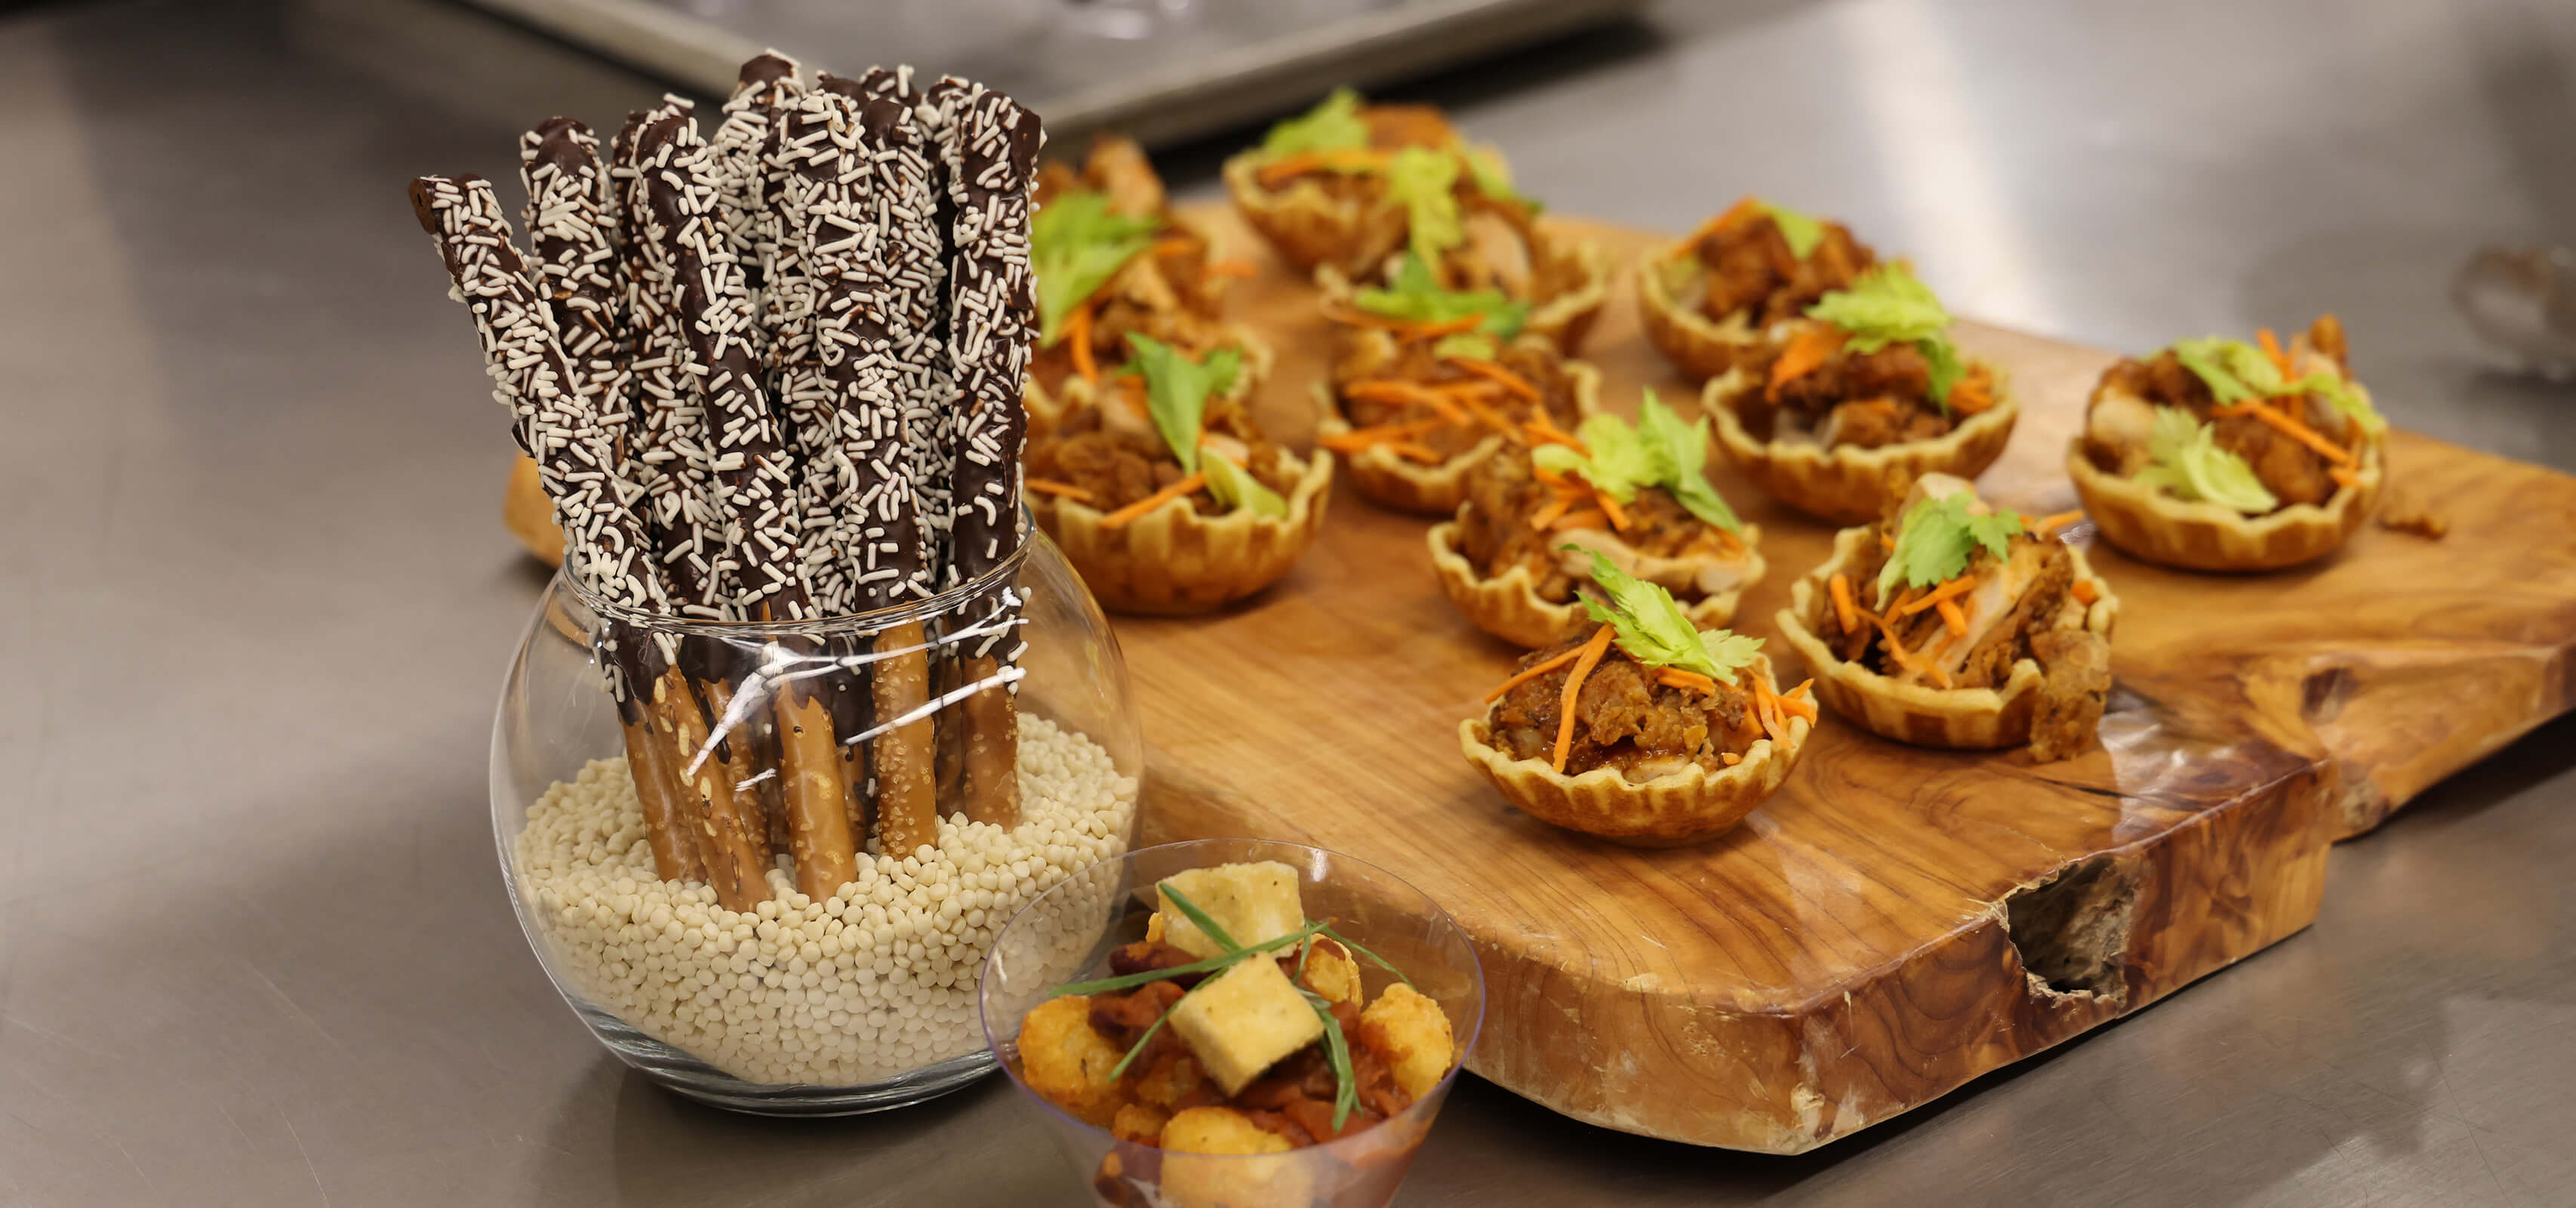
1309,227
1047,410
1565,319
1688,806
1390,481
2151,526
1508,606
1966,719
1702,349
1851,485
1173,561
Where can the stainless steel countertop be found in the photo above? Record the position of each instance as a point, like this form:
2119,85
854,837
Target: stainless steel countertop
254,601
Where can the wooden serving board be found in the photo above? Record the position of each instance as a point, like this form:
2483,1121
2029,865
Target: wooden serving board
1851,951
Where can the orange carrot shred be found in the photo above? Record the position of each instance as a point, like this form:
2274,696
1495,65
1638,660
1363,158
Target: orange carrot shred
1937,596
1675,677
1410,451
1177,490
1593,649
1531,672
1840,587
2046,525
1610,508
2288,427
1952,617
1731,758
1807,352
1887,542
1499,375
2343,477
1051,487
1973,392
1590,518
2084,591
1547,515
2272,348
1077,332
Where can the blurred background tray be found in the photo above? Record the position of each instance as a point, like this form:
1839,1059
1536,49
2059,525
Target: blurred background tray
1159,70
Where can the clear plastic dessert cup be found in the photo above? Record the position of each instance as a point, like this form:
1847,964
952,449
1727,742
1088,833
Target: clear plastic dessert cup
1067,934
990,723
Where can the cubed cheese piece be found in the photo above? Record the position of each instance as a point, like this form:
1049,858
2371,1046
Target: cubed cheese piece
1252,902
1244,1020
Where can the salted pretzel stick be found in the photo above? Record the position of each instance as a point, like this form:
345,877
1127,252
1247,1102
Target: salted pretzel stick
757,480
991,144
604,546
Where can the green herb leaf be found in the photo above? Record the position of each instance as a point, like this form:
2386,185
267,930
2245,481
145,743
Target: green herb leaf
1333,125
1803,232
1120,1070
1493,177
1235,487
1424,182
2188,464
1075,246
1936,538
1129,981
1381,962
1653,630
2236,371
1681,458
1414,296
1337,1049
1177,390
1888,305
1466,346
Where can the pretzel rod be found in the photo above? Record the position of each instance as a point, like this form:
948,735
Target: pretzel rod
737,164
842,203
757,483
571,228
990,143
604,546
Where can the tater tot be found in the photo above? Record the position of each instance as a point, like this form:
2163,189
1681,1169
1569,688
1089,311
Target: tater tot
1066,1061
1412,1033
1219,1130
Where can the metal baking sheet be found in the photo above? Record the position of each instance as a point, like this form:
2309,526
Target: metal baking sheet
1159,70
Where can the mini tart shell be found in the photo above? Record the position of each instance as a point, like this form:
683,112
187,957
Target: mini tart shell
1967,719
1565,320
1048,410
1689,806
1686,337
1508,606
1173,561
1390,481
2152,526
1850,485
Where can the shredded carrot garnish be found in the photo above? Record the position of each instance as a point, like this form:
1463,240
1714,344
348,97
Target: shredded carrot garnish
2288,427
1844,610
1233,268
1598,645
1405,329
1051,487
1499,375
1077,333
1936,597
2343,477
1887,543
1175,245
1952,617
1807,352
1896,607
1743,211
1547,515
1610,508
2046,525
1177,490
1675,677
1973,392
1485,415
1288,167
1412,452
1543,430
1902,657
1591,518
2272,348
1391,391
1731,758
2084,591
1531,672
1797,701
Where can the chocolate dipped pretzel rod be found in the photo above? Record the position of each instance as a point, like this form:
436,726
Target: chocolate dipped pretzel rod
605,548
571,219
846,147
737,160
991,144
758,484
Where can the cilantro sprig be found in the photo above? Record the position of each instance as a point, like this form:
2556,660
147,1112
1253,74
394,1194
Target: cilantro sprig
1414,295
2236,372
1076,244
1660,451
1654,630
1177,390
1936,539
1424,182
2185,461
1888,305
1334,124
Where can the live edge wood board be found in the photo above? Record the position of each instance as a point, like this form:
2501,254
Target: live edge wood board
1895,921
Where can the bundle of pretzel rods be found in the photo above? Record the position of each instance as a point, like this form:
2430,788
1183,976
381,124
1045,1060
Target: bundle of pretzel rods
773,376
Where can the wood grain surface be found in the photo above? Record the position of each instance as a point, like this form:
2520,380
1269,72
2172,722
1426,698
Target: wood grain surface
1895,921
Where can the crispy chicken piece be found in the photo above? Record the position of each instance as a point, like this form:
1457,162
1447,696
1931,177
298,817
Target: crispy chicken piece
2290,470
1119,168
